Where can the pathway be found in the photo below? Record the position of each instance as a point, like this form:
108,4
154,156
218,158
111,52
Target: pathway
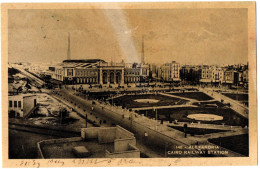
235,105
179,97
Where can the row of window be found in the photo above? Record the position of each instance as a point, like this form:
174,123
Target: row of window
15,104
86,80
132,73
132,79
86,73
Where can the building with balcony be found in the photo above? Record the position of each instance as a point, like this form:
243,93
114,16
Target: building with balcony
170,72
206,74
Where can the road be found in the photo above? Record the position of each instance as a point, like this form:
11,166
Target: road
159,134
107,115
43,130
235,105
39,81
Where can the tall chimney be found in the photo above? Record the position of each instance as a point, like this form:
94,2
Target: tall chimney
142,58
68,52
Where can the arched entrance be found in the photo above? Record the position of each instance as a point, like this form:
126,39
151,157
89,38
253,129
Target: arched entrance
104,77
111,79
118,77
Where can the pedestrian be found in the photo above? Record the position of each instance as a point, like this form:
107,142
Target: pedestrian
145,137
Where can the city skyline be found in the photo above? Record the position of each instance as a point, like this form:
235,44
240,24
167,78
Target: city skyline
194,36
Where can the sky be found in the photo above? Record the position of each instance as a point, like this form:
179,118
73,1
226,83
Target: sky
188,36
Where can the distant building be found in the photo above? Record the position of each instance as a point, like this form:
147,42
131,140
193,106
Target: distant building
153,71
245,76
95,142
206,74
97,71
136,73
170,71
217,75
190,73
231,77
21,105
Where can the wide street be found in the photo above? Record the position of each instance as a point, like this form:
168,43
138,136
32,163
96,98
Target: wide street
132,121
103,114
235,105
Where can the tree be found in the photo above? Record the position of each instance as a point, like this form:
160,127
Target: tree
27,85
63,114
185,127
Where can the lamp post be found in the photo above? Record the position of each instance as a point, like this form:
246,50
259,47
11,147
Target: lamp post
155,118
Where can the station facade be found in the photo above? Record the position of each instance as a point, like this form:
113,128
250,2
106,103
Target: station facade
97,71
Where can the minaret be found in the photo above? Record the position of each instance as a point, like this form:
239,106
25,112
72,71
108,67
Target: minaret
142,58
68,53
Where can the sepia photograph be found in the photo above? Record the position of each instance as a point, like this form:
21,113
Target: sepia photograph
141,81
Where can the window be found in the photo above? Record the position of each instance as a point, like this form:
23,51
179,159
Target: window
15,103
19,104
10,103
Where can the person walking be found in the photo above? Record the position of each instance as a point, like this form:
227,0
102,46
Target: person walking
145,137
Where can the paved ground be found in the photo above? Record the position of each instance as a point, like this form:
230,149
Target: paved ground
179,97
198,96
30,75
235,105
117,113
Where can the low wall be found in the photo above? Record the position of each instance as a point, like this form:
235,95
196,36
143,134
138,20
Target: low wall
122,133
106,135
123,144
124,154
55,141
89,133
154,137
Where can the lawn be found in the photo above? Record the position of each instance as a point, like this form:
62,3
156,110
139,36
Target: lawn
193,95
128,101
237,143
230,117
197,131
239,97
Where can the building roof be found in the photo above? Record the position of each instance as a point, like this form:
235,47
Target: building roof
95,142
22,95
88,63
84,61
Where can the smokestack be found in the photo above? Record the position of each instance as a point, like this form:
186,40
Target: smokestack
142,58
68,53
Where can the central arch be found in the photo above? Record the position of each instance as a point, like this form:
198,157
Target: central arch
118,77
111,77
105,78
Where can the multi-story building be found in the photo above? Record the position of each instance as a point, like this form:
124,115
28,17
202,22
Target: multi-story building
170,71
190,73
245,76
206,74
217,75
230,76
20,105
153,71
97,71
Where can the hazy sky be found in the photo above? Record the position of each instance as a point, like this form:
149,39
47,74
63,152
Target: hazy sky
188,36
